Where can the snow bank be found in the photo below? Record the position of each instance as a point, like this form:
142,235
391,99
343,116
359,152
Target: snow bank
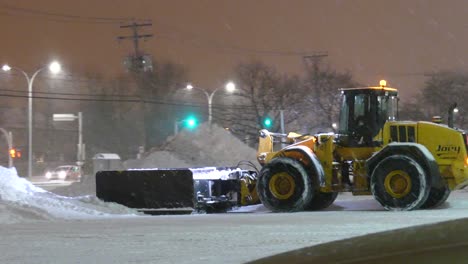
21,201
87,186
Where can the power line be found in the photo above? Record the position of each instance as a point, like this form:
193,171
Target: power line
243,109
71,78
313,60
58,20
191,38
232,49
139,100
197,40
102,100
65,17
135,36
72,94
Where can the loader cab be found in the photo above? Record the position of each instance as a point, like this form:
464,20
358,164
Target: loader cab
363,114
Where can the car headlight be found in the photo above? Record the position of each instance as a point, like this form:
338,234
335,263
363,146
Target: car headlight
48,175
62,174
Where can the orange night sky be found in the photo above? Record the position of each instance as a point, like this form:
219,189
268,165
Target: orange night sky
398,40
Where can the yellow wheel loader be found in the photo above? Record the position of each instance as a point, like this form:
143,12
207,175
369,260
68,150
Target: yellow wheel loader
405,165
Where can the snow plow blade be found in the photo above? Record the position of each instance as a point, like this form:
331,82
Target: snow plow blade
146,189
176,191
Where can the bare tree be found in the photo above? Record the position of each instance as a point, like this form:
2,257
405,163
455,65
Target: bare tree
320,107
307,105
412,111
442,90
263,94
155,89
110,120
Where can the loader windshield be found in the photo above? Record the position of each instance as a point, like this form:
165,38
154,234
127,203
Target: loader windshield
365,111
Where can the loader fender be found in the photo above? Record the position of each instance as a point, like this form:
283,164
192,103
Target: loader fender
417,151
312,162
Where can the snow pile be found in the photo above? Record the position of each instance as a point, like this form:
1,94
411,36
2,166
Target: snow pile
87,186
208,145
158,159
21,201
13,212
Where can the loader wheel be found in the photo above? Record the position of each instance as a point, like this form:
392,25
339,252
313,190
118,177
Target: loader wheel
437,196
284,185
321,200
399,183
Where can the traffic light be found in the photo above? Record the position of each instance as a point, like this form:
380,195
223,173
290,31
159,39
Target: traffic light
12,153
191,122
15,153
267,122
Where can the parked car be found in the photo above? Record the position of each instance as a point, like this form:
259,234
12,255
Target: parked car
65,172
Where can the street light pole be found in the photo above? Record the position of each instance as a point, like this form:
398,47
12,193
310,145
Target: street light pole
230,87
30,117
54,67
80,156
210,100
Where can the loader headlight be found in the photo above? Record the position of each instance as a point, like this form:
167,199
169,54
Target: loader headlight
262,157
48,175
263,133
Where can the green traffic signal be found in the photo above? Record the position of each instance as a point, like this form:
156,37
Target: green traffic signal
191,122
267,122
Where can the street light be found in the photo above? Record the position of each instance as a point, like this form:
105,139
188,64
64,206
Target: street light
55,68
230,87
452,110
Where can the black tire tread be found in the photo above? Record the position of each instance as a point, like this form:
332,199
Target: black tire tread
401,162
437,196
322,200
301,198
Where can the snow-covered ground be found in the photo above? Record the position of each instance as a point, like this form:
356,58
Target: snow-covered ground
37,226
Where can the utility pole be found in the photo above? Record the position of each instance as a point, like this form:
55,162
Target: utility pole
313,78
138,61
312,61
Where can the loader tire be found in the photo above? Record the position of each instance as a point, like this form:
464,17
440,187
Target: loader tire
284,186
400,183
437,196
321,201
